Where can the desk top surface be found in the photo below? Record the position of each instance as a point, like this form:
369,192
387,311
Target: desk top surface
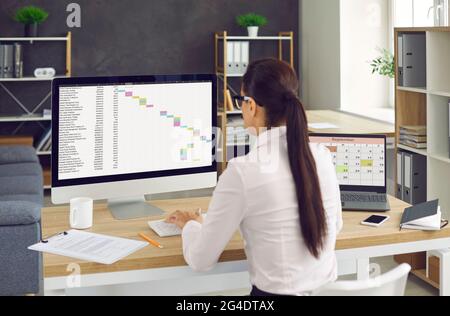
348,123
354,235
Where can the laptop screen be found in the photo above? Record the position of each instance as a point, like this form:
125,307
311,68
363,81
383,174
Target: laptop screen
360,161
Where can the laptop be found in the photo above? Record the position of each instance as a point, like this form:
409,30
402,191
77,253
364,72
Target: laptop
360,162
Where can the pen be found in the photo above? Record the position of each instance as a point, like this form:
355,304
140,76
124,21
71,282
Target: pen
154,243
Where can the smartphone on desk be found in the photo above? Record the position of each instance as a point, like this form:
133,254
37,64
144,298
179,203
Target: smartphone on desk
375,220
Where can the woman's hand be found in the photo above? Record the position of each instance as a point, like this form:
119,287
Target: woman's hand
181,218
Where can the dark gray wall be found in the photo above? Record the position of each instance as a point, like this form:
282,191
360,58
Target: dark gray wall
150,36
128,37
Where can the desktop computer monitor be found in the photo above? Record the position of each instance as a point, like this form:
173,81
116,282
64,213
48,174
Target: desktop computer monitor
120,138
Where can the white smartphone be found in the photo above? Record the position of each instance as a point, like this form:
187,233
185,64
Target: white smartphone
375,220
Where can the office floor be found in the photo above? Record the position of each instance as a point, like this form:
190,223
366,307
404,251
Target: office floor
415,287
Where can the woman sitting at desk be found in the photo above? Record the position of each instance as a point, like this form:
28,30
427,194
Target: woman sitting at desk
284,195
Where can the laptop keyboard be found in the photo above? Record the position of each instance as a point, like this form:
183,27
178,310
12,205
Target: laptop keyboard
351,197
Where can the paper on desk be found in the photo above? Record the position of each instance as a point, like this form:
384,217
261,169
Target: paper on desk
90,247
322,126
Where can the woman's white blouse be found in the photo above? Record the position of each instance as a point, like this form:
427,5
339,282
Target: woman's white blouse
256,194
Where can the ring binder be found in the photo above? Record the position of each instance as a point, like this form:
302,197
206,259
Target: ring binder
45,241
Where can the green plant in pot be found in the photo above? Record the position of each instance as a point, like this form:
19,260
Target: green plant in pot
31,17
384,65
252,22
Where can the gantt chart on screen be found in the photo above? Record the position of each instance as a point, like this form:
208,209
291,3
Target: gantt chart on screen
123,129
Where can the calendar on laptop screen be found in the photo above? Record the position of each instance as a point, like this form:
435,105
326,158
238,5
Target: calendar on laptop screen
358,161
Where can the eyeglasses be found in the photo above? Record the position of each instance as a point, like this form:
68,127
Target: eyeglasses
239,99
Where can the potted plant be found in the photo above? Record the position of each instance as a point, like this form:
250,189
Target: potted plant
252,22
384,65
31,17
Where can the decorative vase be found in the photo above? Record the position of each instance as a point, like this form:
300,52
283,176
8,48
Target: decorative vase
253,31
31,30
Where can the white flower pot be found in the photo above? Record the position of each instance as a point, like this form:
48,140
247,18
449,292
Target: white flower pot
253,31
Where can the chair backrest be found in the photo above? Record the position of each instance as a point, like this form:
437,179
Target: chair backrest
392,283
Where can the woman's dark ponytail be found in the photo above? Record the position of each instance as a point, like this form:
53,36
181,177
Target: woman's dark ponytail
274,85
303,166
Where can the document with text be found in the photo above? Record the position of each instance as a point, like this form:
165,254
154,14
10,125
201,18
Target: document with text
89,246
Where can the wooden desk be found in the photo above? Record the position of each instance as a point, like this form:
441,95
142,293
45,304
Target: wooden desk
355,242
349,124
56,219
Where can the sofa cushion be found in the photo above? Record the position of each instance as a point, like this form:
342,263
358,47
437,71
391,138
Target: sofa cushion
21,269
17,154
20,169
19,213
33,198
15,185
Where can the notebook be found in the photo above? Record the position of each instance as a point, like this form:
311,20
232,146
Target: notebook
424,216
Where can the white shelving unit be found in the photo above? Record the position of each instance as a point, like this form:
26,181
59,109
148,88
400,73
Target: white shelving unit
430,106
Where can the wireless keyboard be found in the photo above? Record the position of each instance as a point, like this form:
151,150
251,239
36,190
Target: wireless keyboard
164,229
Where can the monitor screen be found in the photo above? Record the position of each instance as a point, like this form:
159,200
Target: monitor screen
118,128
359,161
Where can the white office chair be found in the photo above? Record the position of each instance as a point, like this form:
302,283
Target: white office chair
392,283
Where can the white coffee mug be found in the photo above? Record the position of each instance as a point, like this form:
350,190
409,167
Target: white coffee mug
81,213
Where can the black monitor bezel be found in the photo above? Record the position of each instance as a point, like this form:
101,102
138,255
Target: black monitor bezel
361,188
154,79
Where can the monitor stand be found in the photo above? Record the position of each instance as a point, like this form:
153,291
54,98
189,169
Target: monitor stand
132,208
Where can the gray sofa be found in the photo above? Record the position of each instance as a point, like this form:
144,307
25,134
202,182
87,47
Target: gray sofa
21,199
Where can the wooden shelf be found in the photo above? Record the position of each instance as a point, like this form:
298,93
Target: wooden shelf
237,144
421,274
230,75
424,91
440,93
33,39
410,89
422,152
24,118
258,38
43,153
440,158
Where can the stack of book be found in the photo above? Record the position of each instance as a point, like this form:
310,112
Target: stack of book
45,143
414,136
11,61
